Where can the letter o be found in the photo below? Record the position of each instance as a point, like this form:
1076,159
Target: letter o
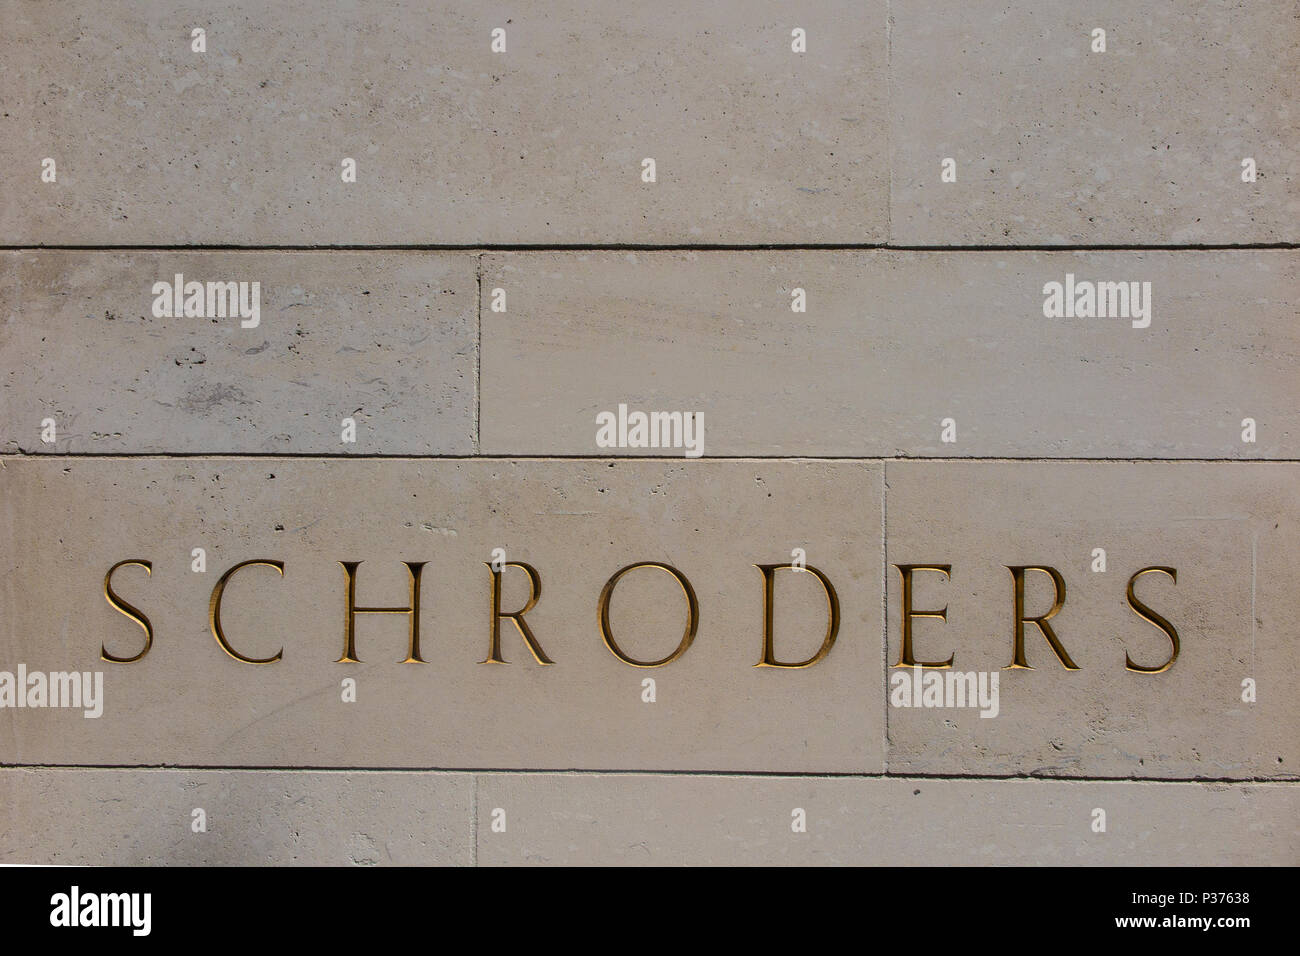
692,614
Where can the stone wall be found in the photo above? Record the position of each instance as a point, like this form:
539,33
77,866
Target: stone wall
962,337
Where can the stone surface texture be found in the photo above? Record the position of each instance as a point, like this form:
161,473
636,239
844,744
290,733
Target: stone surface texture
734,211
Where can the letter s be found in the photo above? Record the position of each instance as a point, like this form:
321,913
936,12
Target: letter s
129,610
1147,614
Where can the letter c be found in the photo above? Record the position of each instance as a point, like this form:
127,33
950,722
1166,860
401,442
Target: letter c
214,612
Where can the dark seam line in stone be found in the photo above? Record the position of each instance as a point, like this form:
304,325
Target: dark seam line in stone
867,459
659,247
584,771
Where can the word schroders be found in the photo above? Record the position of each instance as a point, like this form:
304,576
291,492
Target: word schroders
984,689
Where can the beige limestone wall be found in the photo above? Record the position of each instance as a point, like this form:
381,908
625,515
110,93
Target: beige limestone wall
986,322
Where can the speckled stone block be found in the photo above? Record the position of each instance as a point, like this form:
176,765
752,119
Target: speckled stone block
250,818
387,340
453,143
648,819
891,347
68,521
1228,532
1055,144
